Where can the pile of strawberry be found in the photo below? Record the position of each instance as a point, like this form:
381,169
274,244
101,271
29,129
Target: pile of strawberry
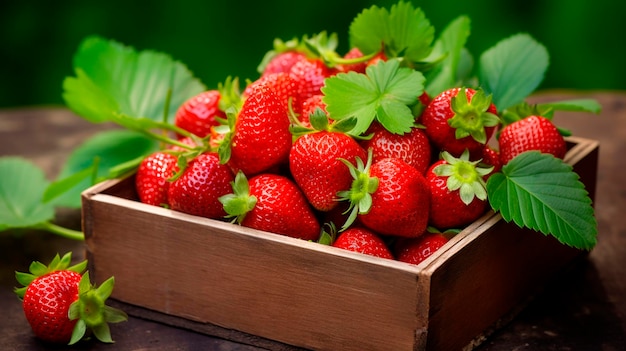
287,155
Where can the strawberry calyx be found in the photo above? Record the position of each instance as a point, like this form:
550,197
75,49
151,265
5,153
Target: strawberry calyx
471,118
319,122
38,269
360,193
240,201
464,175
91,311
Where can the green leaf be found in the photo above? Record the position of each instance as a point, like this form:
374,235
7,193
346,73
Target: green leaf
21,192
403,30
513,69
61,186
115,79
112,148
384,93
540,192
574,105
451,43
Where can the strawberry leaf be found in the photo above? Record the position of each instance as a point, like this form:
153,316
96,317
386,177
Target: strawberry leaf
113,79
513,69
21,192
575,105
404,31
540,192
450,43
384,93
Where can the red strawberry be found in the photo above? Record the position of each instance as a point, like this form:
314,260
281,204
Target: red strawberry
413,147
316,167
455,122
491,158
283,61
283,85
151,180
310,75
272,203
60,304
260,138
358,67
530,133
416,250
458,193
390,197
198,114
197,190
309,106
363,241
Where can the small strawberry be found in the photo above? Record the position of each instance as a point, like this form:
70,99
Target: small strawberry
60,304
389,196
259,137
413,147
530,133
283,85
458,192
358,67
199,113
197,189
310,75
309,106
416,250
491,158
151,180
272,203
282,62
455,122
363,241
315,162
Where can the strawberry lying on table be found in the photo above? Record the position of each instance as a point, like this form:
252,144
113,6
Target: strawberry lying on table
61,305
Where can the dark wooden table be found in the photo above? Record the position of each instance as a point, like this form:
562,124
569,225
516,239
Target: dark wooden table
581,309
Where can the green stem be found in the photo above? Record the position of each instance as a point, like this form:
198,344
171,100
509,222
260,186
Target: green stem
61,231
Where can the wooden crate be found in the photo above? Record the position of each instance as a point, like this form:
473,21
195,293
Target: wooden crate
283,293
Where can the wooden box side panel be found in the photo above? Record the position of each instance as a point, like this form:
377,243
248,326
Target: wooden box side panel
494,269
279,288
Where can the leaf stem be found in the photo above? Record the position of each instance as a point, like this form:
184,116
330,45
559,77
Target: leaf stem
61,231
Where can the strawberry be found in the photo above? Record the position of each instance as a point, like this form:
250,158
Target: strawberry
60,304
197,189
317,157
198,114
363,241
413,147
491,158
259,139
530,133
316,167
283,85
358,67
310,75
455,122
416,250
282,62
389,196
272,203
151,180
309,106
458,192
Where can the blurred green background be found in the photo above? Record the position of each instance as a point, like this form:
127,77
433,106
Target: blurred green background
216,39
